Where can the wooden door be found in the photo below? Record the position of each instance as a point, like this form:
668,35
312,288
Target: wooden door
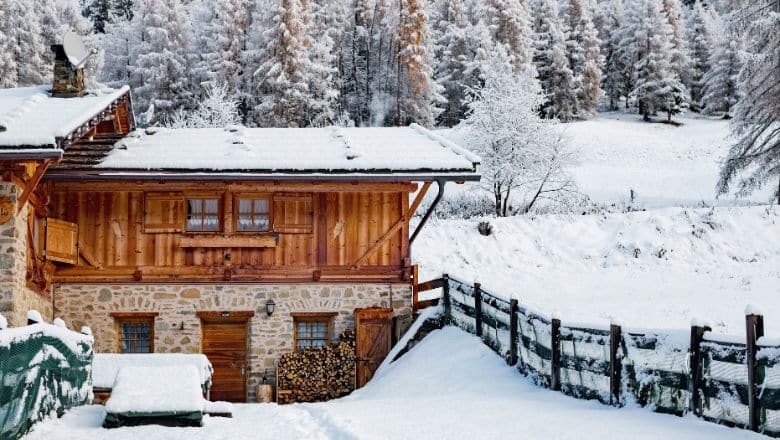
224,342
373,337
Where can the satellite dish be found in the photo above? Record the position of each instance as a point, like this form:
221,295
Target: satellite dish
74,49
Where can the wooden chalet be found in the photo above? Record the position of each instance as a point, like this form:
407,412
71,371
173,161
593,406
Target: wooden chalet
239,243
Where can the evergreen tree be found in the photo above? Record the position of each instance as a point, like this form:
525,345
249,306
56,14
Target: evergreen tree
509,22
7,61
678,53
755,158
324,92
453,57
158,62
25,44
720,92
591,74
228,31
608,18
700,41
552,64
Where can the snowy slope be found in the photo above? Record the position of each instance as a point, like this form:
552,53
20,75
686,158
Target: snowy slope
450,386
659,268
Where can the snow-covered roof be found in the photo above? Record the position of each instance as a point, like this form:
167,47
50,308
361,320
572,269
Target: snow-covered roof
32,121
295,151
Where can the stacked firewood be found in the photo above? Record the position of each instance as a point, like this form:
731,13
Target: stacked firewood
317,374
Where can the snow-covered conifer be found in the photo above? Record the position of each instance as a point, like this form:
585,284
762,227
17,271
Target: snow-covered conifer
509,22
452,59
219,108
590,76
700,42
608,17
720,92
678,53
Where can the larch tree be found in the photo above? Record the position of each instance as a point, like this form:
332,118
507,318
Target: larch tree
552,64
720,92
591,74
678,53
228,32
416,93
523,155
700,42
283,77
509,22
754,160
158,62
647,39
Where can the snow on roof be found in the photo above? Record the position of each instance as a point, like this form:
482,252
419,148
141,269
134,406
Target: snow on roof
290,150
31,118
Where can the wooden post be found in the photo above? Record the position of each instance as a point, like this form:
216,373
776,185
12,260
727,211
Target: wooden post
415,288
478,307
445,297
513,331
615,364
696,383
555,345
754,330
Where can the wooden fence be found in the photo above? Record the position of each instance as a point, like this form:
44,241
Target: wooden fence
716,377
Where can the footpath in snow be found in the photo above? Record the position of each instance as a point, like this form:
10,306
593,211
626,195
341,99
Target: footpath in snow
659,269
450,386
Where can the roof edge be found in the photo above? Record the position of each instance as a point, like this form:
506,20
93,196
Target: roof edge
446,143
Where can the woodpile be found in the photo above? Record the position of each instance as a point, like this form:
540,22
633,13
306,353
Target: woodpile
317,374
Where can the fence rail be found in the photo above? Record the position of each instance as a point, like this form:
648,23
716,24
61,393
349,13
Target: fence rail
715,377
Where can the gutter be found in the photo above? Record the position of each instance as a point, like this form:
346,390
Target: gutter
440,184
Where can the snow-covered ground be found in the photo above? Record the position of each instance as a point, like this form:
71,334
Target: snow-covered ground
450,386
660,268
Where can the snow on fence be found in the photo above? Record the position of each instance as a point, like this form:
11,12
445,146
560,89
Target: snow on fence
719,378
44,369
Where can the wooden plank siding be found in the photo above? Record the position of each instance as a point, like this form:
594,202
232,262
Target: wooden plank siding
318,233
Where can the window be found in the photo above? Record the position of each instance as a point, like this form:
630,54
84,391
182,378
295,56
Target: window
312,330
136,332
203,214
252,214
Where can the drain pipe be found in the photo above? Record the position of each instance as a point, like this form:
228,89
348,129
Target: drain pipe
440,184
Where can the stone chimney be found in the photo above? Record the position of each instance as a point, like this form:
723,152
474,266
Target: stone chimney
68,80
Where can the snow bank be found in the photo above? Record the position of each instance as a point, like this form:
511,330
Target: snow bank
156,389
70,338
655,269
106,366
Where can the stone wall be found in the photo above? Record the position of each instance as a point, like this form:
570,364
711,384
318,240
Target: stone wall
15,298
177,327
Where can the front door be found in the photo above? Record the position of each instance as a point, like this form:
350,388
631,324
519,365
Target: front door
373,340
224,342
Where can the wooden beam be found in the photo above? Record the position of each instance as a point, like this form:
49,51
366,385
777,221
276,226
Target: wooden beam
218,241
393,229
31,184
220,186
87,255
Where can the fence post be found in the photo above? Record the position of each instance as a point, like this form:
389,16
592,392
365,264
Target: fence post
615,364
513,331
695,386
445,296
754,329
555,364
478,307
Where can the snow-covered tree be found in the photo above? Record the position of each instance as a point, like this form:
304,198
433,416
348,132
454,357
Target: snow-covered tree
552,64
228,33
323,92
523,155
158,64
590,76
607,18
678,54
452,59
219,108
720,92
509,22
700,42
7,61
416,92
24,45
754,160
647,41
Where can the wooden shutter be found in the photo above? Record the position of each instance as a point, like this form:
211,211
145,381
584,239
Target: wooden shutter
163,212
62,241
293,213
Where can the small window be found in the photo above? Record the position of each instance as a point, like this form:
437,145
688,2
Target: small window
136,333
312,330
203,215
252,214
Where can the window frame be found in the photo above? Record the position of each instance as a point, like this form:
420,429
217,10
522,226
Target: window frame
121,318
268,197
202,198
313,317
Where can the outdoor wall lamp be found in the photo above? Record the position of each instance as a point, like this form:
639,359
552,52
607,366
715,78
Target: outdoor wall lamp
269,307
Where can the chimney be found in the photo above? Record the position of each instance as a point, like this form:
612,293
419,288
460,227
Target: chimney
68,79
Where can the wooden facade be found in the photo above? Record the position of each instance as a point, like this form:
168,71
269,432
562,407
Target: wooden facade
138,232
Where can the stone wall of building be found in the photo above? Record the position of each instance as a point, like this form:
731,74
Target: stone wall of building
15,298
178,329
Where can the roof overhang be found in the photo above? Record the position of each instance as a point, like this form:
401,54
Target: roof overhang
21,154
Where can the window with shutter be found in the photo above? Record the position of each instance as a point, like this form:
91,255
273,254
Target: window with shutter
293,213
62,241
163,212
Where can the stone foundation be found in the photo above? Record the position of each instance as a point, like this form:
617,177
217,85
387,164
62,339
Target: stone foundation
15,297
178,328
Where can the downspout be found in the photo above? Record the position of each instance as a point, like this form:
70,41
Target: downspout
440,184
